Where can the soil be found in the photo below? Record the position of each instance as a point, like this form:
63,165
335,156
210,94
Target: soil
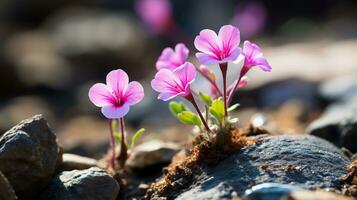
180,174
350,180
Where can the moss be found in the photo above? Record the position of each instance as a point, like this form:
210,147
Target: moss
181,173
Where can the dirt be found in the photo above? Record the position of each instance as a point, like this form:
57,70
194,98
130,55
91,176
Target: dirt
180,174
350,180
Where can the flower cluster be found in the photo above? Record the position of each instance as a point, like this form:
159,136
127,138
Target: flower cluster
175,75
174,78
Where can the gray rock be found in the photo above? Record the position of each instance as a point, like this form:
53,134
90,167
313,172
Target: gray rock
269,191
73,161
29,156
6,191
89,184
304,161
338,88
33,52
316,195
276,93
354,157
338,124
152,153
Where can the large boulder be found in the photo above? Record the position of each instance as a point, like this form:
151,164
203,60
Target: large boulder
303,161
29,155
89,184
338,124
338,88
6,191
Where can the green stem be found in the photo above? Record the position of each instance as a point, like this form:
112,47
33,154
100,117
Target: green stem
192,100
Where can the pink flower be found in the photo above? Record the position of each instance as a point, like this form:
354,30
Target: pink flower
216,49
171,59
253,57
156,14
174,83
117,95
250,17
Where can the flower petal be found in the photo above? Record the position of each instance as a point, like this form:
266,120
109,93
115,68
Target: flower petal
229,36
263,64
171,59
100,95
134,93
167,96
165,59
251,50
254,57
165,81
208,42
182,52
207,59
118,81
232,56
186,73
113,112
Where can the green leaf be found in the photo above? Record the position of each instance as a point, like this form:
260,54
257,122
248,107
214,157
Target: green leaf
205,98
217,109
189,118
176,107
136,136
233,107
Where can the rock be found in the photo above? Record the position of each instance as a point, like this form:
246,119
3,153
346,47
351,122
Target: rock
348,130
303,161
33,52
29,156
151,153
354,157
88,37
85,136
338,124
73,161
308,60
276,93
338,88
315,195
269,191
89,184
6,191
21,108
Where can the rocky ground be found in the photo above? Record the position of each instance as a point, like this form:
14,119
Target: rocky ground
318,163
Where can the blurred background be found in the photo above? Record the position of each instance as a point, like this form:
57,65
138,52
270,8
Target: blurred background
51,52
